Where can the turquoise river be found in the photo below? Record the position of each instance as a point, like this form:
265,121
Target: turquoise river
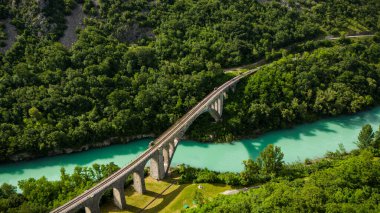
303,141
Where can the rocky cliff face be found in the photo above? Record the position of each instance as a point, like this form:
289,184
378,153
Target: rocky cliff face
41,3
34,16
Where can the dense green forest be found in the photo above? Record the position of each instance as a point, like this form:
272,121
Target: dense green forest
139,65
298,88
339,182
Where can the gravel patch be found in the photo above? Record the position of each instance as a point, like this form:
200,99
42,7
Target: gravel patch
235,191
11,32
96,3
73,21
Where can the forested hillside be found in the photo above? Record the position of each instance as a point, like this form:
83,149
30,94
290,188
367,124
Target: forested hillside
139,65
329,81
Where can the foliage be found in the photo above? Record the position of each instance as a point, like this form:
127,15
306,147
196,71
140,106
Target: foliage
349,185
43,195
199,198
139,65
369,140
271,159
265,167
299,88
365,137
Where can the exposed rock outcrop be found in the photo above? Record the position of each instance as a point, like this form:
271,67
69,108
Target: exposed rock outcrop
74,21
11,32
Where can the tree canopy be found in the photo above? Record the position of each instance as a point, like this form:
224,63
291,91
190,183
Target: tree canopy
139,65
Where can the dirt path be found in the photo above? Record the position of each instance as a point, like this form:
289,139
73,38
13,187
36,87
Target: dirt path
11,32
235,191
73,21
263,61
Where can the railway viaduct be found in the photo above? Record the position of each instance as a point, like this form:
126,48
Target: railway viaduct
159,153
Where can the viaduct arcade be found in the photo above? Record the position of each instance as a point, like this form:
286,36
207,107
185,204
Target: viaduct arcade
159,153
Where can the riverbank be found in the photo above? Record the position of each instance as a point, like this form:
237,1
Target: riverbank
26,155
125,140
105,143
309,141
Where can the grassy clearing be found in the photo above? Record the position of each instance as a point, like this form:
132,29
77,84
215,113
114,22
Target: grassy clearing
186,196
236,72
173,198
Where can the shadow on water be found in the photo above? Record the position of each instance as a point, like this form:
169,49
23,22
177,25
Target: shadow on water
86,158
211,153
349,122
255,146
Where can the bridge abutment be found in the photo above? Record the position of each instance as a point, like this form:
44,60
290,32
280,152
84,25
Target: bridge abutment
139,181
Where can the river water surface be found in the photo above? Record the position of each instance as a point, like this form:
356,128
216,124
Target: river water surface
304,141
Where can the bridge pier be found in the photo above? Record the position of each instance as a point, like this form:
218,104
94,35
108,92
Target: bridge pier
157,170
160,154
216,108
92,204
220,105
165,154
138,180
171,148
119,194
233,88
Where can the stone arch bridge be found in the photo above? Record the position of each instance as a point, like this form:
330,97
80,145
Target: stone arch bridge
160,154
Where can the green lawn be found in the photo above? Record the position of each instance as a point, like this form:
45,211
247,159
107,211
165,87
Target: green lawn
173,198
185,197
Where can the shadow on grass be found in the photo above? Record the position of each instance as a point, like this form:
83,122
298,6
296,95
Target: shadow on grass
131,209
151,193
152,198
167,199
